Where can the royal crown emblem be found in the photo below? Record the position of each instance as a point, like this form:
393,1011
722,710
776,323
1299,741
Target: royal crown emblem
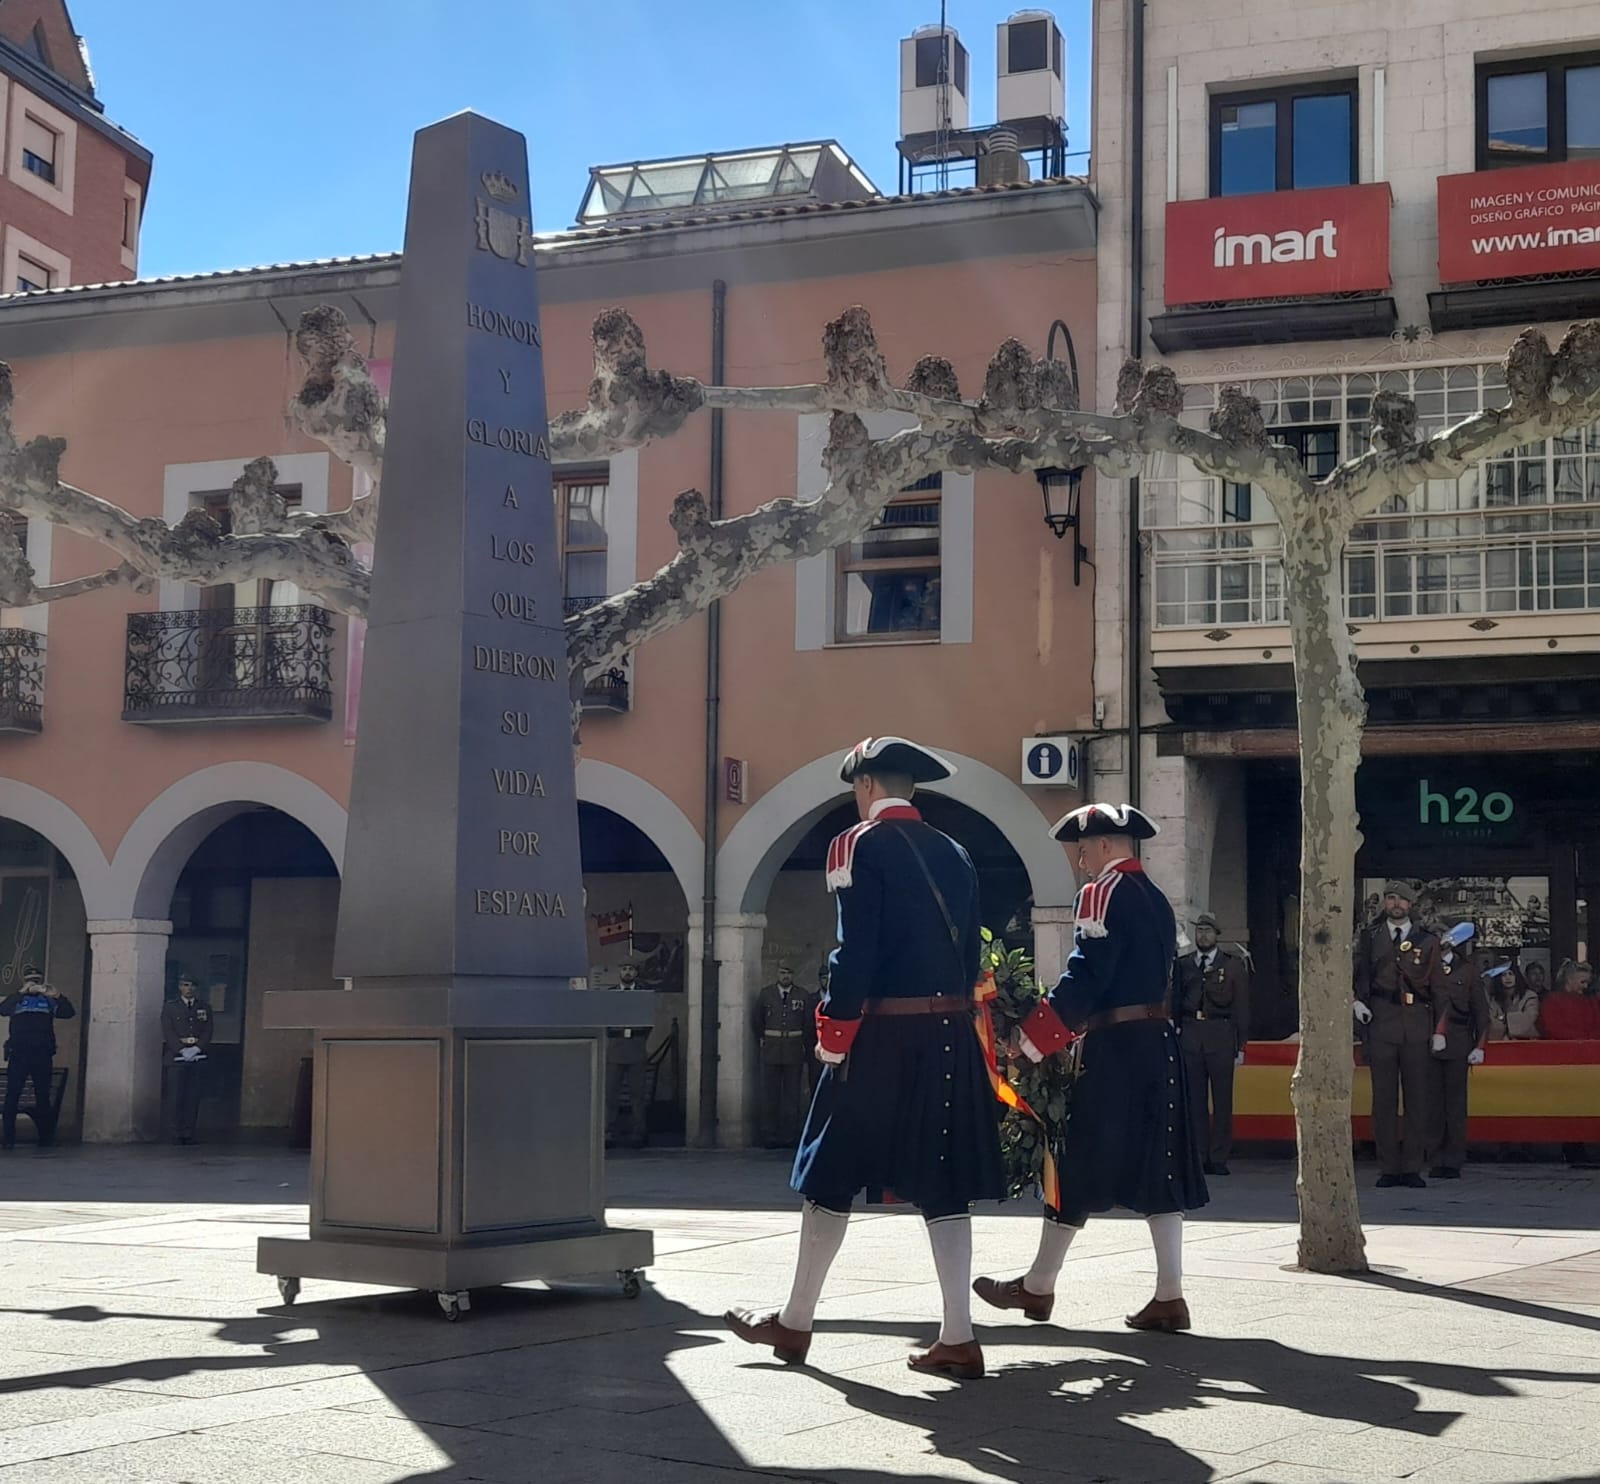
500,186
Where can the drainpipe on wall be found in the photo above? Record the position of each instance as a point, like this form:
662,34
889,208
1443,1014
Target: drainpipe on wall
1135,639
710,967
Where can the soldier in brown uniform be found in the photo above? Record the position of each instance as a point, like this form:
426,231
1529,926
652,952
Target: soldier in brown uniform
785,1027
627,1066
1212,994
1396,978
1459,1032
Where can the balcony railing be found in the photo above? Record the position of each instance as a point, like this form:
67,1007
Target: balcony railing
21,680
603,690
238,664
1479,563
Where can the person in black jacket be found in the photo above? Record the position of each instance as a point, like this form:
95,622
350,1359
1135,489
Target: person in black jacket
904,1103
31,1052
185,1032
1212,995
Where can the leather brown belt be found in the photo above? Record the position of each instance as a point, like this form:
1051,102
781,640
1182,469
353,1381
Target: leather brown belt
1125,1015
939,1004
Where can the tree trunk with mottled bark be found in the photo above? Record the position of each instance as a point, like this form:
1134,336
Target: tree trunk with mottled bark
1332,713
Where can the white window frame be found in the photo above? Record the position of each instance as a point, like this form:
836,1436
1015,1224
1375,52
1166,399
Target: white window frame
816,578
20,245
134,192
59,192
185,486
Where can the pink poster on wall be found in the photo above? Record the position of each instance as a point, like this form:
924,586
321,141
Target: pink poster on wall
356,641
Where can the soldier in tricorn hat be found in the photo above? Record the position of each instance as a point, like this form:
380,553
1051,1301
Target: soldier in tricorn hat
904,1103
1127,1141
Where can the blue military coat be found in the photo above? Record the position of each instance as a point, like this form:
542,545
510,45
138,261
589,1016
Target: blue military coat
1127,1139
911,1111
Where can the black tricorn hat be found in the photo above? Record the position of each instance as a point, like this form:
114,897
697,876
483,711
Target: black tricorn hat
894,755
1104,819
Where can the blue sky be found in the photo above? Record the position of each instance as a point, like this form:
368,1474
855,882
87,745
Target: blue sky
282,128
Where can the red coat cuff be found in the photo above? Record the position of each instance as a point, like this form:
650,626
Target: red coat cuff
1046,1030
836,1036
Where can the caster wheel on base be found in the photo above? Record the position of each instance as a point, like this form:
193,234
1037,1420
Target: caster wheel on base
632,1282
288,1290
454,1304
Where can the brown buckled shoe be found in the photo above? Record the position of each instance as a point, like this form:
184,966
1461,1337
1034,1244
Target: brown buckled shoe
1013,1295
959,1362
761,1327
1170,1315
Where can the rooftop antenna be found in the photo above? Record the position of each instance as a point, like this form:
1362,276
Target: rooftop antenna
942,142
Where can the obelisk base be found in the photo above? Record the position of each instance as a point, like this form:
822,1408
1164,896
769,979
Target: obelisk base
448,1158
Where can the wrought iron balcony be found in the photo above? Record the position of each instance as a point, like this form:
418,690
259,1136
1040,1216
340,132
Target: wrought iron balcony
603,690
21,680
229,664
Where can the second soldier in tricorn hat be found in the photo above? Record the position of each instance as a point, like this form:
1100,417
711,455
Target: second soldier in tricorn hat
1127,1141
904,1104
1211,993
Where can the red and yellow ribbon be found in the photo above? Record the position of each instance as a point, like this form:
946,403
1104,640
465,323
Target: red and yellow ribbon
1004,1092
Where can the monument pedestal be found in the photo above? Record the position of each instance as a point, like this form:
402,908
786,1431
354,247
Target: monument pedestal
432,1162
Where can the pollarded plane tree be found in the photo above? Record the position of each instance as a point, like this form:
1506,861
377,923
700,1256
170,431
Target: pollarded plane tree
1025,418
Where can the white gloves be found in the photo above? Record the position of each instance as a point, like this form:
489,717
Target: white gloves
1028,1049
1362,1013
1238,1059
1437,1043
1475,1057
832,1058
190,1053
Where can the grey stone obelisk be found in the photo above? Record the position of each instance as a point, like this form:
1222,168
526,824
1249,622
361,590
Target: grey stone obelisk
457,1136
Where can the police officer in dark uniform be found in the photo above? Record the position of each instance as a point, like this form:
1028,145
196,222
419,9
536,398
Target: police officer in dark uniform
904,1103
1396,985
1457,1046
1213,995
31,1052
1127,1141
783,1042
185,1032
627,1065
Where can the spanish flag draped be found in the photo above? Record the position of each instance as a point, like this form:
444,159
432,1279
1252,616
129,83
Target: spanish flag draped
984,993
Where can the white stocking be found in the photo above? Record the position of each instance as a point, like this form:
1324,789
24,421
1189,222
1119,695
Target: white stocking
1166,1232
821,1233
1053,1243
951,1240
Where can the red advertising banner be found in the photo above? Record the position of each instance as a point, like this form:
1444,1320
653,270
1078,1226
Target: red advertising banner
1280,245
1519,223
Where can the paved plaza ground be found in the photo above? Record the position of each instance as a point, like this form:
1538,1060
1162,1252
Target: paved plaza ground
138,1343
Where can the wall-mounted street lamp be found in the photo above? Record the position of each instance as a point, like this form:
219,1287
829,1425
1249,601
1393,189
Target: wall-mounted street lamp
1062,489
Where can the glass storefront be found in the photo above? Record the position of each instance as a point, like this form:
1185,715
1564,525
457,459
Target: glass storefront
1510,843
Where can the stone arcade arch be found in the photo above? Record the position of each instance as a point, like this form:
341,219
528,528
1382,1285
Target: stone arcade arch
130,933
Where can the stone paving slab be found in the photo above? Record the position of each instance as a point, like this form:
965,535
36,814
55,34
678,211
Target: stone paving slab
138,1343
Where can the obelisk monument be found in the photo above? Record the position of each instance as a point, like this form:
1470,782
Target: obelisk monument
457,1135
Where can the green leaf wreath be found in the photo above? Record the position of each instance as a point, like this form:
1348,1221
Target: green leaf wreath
1046,1086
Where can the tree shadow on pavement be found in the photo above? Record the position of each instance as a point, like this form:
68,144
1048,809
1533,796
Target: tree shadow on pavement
589,1387
1496,1302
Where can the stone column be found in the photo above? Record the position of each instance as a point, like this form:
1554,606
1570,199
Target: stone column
693,948
739,940
122,1081
1052,942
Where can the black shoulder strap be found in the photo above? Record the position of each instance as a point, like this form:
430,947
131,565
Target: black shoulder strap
933,886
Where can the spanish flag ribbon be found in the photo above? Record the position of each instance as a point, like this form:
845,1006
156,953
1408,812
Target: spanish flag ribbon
984,993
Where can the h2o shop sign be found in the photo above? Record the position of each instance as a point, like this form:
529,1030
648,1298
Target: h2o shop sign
1465,812
1282,244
